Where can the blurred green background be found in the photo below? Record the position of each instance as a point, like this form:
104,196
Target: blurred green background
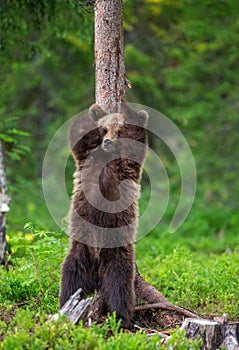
181,57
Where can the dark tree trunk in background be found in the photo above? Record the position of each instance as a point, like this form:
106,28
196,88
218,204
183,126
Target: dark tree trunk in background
4,200
109,54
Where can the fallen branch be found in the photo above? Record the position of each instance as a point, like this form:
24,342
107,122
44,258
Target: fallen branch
75,309
166,306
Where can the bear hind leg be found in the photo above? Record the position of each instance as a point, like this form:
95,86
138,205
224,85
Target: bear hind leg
116,281
79,270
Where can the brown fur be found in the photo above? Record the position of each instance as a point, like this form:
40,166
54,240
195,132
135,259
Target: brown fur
101,255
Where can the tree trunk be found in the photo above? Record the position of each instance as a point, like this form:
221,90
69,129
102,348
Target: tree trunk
4,200
109,54
110,83
110,88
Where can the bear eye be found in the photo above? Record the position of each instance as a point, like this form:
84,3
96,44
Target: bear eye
104,131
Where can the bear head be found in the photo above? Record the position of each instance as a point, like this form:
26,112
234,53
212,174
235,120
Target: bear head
98,128
126,124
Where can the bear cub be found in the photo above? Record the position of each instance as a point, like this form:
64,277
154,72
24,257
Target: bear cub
109,150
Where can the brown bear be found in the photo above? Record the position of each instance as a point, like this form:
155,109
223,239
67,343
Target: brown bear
109,151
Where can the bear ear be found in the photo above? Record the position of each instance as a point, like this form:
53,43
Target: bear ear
143,117
96,112
140,118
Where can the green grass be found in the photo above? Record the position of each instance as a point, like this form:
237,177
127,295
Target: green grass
29,334
196,267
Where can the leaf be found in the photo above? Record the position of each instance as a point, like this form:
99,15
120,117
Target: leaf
28,226
13,155
7,138
18,132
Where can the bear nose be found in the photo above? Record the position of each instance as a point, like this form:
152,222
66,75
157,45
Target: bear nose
107,142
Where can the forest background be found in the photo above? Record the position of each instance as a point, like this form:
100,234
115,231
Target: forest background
181,58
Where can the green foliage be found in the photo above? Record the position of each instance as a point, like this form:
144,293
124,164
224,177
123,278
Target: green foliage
198,281
181,59
30,335
179,341
40,49
11,138
36,255
33,25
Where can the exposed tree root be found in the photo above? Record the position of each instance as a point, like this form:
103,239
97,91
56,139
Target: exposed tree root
166,306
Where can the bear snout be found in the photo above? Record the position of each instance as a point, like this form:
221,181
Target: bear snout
107,143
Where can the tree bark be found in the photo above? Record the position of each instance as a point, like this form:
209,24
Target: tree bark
109,54
4,200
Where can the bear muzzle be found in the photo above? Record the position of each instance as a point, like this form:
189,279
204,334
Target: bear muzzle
107,144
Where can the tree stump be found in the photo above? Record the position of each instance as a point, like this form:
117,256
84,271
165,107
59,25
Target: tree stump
213,334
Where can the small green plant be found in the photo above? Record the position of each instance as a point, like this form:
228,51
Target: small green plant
33,274
112,324
11,137
178,340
